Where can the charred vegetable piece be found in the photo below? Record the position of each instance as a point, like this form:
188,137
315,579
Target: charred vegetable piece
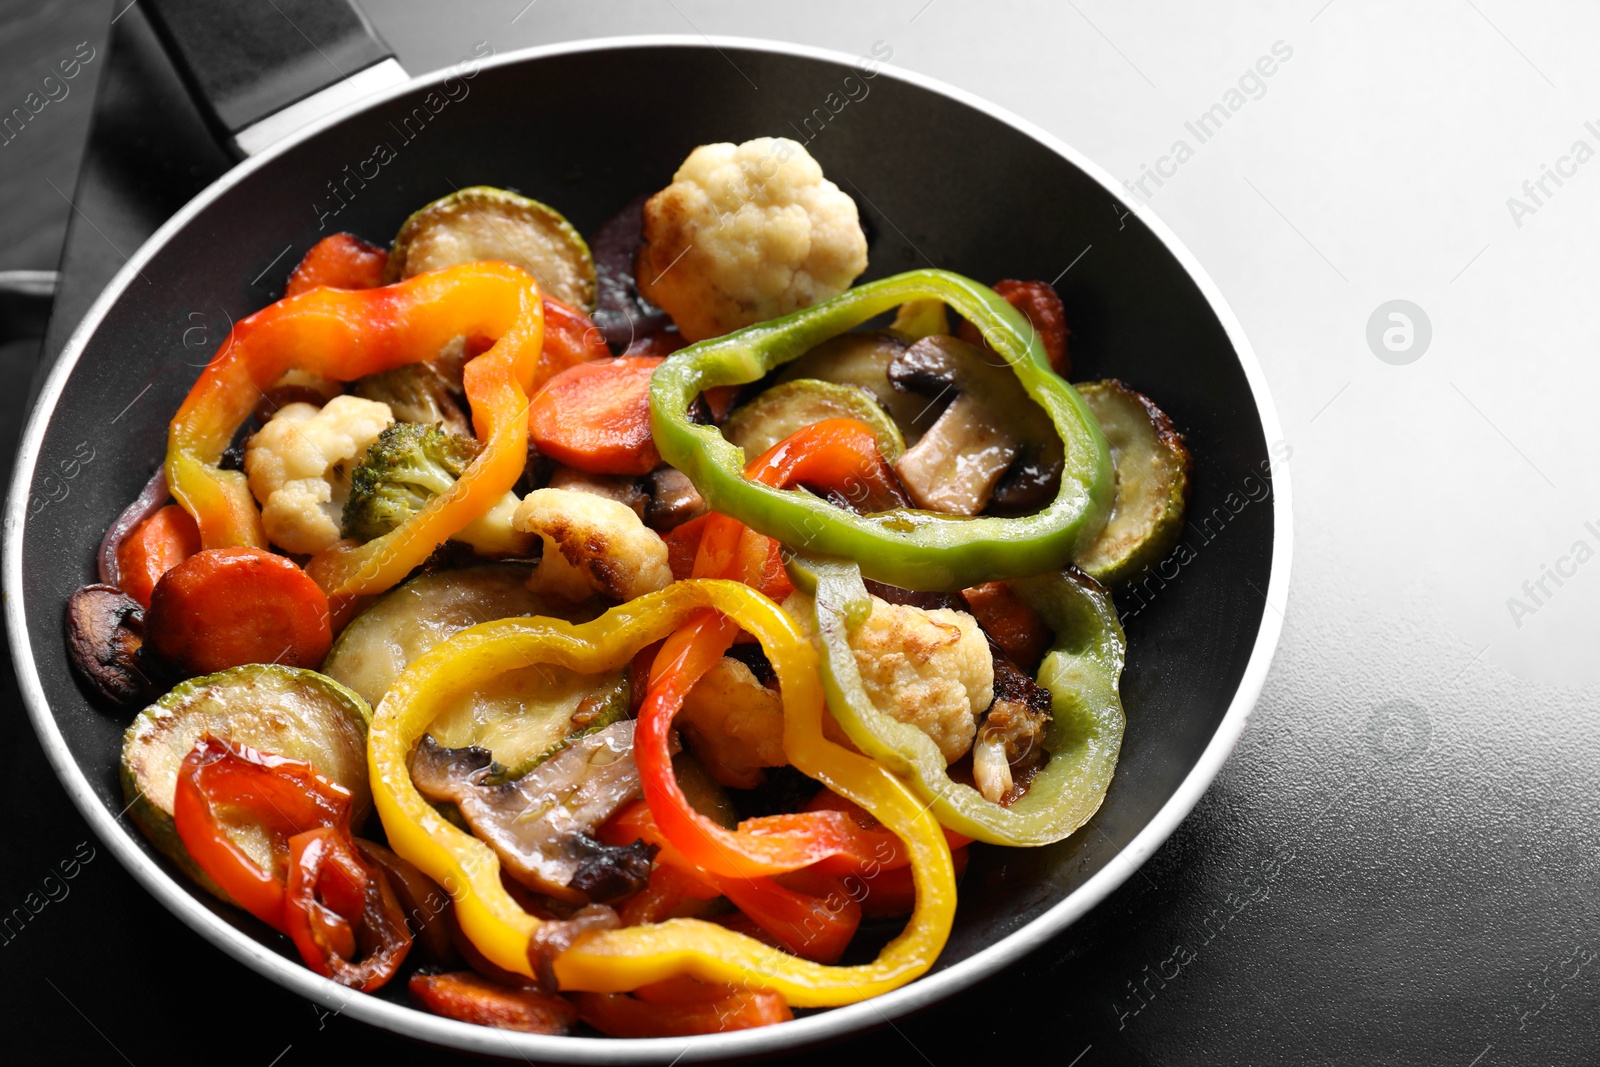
525,717
783,409
339,261
425,904
225,607
417,392
1010,741
408,621
105,631
542,825
472,998
991,443
295,713
1152,473
862,360
479,223
624,317
406,467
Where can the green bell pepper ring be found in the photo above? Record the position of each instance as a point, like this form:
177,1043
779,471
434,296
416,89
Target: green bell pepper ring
908,548
1081,671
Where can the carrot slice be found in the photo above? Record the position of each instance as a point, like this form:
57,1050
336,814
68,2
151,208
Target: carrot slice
224,607
473,998
596,417
155,546
342,261
622,1015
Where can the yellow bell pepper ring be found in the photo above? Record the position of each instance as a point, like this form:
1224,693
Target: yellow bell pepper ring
614,961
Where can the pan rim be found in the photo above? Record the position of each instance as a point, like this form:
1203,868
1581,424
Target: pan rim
832,1025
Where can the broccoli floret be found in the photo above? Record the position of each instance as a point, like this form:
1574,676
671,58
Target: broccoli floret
407,466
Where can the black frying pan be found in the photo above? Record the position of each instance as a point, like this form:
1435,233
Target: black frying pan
941,178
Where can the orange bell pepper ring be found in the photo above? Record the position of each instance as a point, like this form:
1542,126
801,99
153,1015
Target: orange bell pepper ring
345,334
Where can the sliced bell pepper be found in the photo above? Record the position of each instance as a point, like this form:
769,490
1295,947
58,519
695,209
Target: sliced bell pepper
1081,671
829,451
341,913
344,335
620,960
282,797
904,547
668,1009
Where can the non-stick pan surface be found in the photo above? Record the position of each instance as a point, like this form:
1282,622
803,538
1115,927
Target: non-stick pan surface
941,178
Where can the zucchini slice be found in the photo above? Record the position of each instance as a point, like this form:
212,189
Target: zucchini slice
283,710
783,409
862,359
481,222
1152,470
406,622
525,716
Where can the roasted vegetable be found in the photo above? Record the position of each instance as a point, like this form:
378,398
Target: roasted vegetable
406,622
225,607
155,546
525,717
417,392
1042,308
1152,470
596,417
297,714
406,467
338,261
593,545
105,632
862,360
542,824
1083,736
472,998
615,960
906,548
783,409
483,223
990,442
747,233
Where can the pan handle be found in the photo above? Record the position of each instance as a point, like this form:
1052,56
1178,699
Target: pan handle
262,70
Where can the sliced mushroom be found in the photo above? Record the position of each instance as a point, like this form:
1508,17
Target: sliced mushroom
622,488
863,360
542,825
105,632
673,500
1009,748
991,446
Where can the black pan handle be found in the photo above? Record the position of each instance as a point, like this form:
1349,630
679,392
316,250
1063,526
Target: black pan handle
263,68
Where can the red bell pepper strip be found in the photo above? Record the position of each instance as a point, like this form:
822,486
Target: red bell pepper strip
472,998
340,261
825,452
815,921
331,903
282,796
341,913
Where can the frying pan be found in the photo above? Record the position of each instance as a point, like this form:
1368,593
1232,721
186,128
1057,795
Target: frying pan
941,178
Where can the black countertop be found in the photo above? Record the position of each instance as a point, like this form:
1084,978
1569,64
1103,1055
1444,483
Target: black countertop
1398,865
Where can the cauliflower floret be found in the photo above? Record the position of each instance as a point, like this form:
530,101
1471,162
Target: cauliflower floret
930,669
592,544
299,467
734,724
747,233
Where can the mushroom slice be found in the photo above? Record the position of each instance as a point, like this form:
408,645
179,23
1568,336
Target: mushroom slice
105,630
542,825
